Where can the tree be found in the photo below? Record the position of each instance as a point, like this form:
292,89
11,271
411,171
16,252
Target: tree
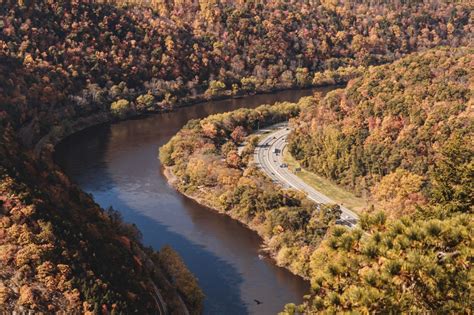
120,108
287,78
302,77
249,83
209,129
405,265
215,88
329,213
399,193
145,101
184,280
453,175
233,159
238,134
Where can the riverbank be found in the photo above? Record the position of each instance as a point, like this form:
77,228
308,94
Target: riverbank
203,163
202,200
45,146
42,211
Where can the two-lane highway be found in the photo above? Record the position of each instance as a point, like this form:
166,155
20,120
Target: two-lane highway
269,157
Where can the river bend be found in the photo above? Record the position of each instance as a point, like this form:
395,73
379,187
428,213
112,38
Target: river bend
118,165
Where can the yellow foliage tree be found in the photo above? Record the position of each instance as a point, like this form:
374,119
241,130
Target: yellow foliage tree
399,193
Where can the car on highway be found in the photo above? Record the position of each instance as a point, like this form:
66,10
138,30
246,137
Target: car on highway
283,165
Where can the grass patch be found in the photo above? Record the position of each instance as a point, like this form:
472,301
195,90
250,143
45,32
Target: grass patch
325,186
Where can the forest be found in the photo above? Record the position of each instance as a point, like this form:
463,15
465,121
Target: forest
410,253
59,251
63,61
405,132
384,135
66,65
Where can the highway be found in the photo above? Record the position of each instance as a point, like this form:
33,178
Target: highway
270,162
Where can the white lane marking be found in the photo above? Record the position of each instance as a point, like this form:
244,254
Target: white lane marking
264,160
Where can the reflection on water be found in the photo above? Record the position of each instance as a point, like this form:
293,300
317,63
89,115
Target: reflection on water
118,165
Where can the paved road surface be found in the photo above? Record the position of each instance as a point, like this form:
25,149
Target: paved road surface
270,162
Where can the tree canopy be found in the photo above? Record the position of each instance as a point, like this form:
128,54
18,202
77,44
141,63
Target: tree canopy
387,133
402,131
399,133
76,58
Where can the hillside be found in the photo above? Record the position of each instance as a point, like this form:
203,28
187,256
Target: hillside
68,65
418,263
383,136
403,131
61,252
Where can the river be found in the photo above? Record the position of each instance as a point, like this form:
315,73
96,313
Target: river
118,165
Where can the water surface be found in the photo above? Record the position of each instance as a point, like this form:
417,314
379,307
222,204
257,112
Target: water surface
118,165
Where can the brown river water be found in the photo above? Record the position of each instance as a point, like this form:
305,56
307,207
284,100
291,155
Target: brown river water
118,165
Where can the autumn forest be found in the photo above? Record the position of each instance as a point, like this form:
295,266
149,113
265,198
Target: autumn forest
394,129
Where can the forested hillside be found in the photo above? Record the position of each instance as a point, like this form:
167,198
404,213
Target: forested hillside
404,266
66,65
66,60
59,251
384,134
403,131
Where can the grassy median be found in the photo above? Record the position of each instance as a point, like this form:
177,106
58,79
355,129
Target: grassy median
325,186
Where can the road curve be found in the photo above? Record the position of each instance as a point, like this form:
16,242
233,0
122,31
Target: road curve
270,162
